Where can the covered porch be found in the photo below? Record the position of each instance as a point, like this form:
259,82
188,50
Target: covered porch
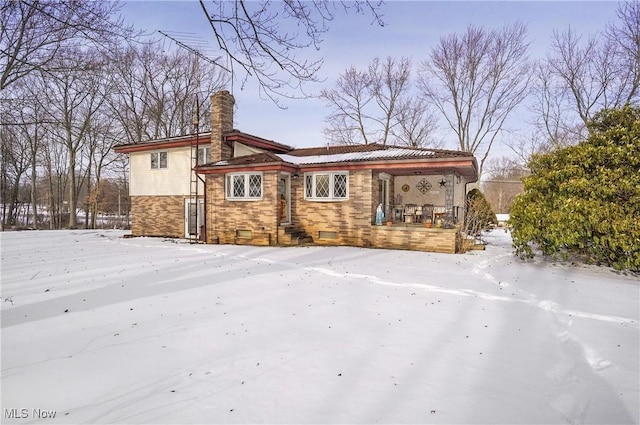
422,195
420,206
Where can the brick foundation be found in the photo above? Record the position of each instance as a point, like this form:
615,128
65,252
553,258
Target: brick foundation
157,216
414,238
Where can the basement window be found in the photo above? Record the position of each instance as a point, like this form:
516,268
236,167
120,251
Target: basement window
243,234
322,234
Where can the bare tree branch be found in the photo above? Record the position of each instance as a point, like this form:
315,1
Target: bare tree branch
476,80
33,31
256,38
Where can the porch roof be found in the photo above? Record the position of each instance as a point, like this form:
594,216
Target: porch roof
391,159
372,152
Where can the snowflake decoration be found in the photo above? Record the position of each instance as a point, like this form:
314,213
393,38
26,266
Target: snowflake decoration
423,186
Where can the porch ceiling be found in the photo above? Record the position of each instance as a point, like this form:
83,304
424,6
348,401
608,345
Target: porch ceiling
427,171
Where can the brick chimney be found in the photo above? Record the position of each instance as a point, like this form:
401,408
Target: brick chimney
221,122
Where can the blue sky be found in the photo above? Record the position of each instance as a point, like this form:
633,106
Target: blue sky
412,29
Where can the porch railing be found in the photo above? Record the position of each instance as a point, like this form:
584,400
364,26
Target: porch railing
413,213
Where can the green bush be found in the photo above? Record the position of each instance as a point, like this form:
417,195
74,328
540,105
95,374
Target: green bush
584,200
479,213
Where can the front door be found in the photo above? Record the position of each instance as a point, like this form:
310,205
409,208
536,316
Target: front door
284,199
194,218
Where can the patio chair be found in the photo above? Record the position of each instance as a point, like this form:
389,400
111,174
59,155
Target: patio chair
410,213
439,214
427,212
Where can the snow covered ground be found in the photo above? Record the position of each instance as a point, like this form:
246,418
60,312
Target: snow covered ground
101,329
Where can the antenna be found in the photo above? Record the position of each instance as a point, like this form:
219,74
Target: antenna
194,51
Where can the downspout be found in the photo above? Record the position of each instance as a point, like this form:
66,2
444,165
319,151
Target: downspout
203,235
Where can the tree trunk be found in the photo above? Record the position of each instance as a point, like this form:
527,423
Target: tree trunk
34,198
73,201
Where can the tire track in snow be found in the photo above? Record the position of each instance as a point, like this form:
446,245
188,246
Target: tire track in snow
530,300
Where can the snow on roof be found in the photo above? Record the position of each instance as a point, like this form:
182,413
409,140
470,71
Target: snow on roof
359,155
392,153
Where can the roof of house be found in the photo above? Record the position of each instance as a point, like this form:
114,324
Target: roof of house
203,139
164,143
333,150
348,153
371,152
239,136
391,159
256,158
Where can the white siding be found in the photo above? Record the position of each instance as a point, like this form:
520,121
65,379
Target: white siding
240,149
173,180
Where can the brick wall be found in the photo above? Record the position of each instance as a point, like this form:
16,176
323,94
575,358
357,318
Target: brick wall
414,238
157,216
226,218
350,220
221,122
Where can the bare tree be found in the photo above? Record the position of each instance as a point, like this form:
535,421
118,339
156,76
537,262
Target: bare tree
256,38
375,106
55,163
102,136
416,125
15,163
476,80
552,115
32,128
74,99
32,32
390,83
583,70
625,36
349,101
154,92
582,75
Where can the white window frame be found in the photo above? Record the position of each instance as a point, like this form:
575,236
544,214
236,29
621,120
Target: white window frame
310,193
158,156
229,186
204,155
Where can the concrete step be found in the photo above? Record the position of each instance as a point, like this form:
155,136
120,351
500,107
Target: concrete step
293,235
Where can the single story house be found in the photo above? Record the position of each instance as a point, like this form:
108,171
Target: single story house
229,187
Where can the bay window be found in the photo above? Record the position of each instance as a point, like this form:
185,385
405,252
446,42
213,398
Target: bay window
243,186
326,186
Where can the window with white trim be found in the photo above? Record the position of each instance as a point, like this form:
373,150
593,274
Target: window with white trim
204,155
243,186
323,186
158,160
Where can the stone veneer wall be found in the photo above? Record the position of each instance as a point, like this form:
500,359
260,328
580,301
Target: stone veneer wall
414,238
350,220
221,122
157,216
225,218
